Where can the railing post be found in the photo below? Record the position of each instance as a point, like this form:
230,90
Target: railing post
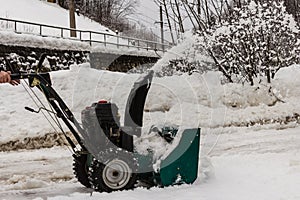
118,41
62,32
80,35
15,26
138,44
40,29
90,38
104,39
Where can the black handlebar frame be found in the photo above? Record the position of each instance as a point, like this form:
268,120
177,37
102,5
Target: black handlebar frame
43,82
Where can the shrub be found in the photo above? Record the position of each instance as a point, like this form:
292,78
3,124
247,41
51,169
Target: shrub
256,41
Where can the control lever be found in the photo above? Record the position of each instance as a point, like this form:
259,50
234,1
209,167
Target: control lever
41,108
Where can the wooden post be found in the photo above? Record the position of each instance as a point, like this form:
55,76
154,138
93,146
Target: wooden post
118,41
72,18
90,38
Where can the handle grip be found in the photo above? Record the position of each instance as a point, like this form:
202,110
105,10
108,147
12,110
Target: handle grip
19,76
16,76
30,109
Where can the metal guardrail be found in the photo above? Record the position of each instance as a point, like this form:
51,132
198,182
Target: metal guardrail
92,37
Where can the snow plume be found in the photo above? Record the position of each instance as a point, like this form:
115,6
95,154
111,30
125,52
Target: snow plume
188,57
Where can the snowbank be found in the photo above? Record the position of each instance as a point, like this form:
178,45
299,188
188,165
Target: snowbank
189,101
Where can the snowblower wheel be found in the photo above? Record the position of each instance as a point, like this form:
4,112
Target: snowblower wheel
80,168
117,172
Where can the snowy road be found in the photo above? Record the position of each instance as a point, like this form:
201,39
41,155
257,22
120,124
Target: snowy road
247,164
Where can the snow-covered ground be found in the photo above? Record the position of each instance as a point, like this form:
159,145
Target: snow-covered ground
246,165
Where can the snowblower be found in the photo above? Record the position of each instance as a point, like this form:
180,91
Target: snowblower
105,157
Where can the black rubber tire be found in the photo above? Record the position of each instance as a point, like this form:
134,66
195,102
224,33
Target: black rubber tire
99,169
80,169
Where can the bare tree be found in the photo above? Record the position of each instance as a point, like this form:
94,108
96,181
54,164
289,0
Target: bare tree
110,13
168,19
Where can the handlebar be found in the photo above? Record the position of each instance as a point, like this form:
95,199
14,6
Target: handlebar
18,76
43,81
31,76
26,75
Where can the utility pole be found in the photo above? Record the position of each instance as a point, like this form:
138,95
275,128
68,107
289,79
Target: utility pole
162,27
199,7
72,18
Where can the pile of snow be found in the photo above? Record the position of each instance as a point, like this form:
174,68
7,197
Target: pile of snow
171,100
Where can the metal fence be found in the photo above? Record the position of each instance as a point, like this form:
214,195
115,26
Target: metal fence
92,37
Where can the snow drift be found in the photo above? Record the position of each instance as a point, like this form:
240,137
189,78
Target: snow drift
175,100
